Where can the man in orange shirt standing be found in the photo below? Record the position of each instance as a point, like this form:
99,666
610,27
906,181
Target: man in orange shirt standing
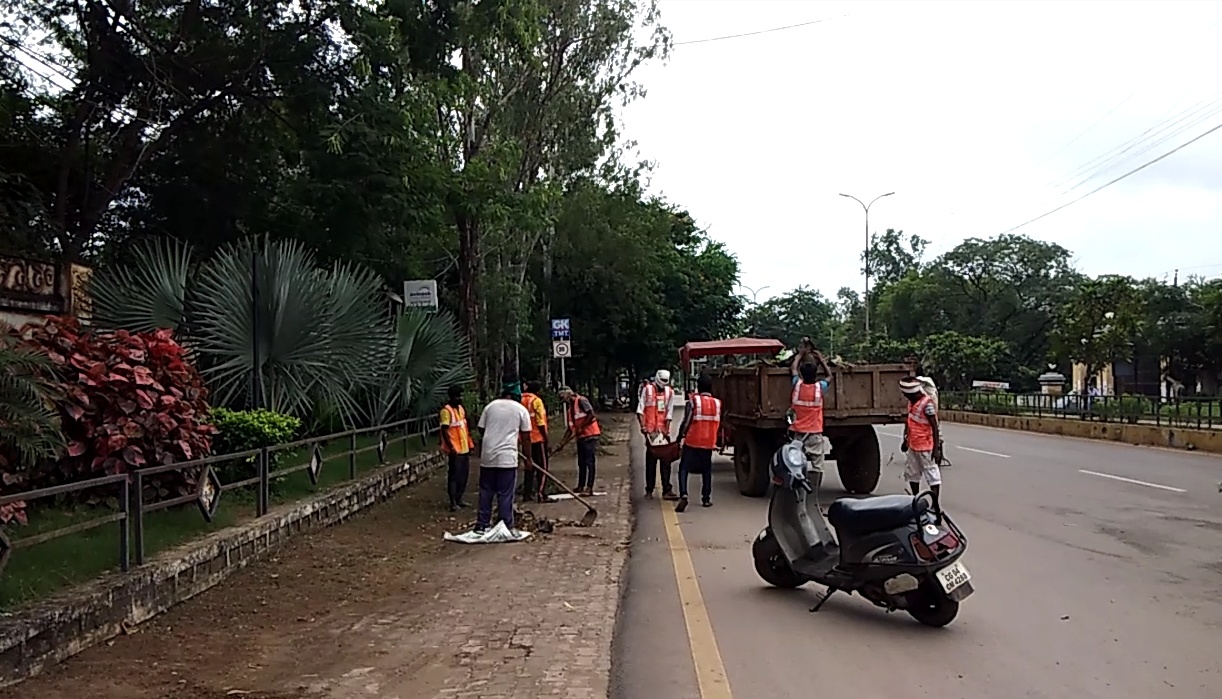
538,444
456,445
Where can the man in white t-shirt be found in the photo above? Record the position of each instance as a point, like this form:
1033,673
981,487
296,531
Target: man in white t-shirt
504,426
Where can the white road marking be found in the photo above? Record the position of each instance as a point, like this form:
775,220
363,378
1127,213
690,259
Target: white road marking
1132,480
986,453
890,434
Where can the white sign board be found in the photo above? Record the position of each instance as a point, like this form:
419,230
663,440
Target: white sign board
562,349
991,385
420,293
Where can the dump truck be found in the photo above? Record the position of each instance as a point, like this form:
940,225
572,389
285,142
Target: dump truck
756,397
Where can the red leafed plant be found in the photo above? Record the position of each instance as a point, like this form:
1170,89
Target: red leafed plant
130,400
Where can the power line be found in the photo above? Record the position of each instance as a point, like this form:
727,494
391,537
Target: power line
1109,184
757,33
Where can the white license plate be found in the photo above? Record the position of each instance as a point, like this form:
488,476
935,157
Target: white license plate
953,576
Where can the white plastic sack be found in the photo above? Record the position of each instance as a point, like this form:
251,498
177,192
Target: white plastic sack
498,534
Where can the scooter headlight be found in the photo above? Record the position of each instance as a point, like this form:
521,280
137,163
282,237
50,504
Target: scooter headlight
789,464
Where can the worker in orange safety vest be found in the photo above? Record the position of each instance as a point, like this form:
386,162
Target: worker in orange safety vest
806,404
533,482
653,414
922,443
699,434
582,426
456,445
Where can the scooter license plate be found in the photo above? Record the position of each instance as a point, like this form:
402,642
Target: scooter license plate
953,576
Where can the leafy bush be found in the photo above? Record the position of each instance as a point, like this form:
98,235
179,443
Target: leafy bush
129,400
243,430
323,334
29,426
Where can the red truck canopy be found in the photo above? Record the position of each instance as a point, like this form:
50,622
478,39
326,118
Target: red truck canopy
722,348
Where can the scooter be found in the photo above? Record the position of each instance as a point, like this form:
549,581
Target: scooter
894,550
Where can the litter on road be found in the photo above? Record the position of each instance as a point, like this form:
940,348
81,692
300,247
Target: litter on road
498,534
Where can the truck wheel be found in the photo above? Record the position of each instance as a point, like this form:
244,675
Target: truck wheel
770,562
742,461
753,475
860,463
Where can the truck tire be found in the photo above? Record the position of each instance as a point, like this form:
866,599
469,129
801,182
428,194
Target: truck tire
859,462
751,455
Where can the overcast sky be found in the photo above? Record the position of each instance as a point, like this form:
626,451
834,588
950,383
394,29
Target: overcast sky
978,115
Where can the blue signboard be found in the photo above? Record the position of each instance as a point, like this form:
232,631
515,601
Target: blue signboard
560,328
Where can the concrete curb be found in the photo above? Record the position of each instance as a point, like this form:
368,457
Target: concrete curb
53,630
1137,434
625,560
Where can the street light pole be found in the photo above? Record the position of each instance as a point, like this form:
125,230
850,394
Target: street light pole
754,301
866,208
754,292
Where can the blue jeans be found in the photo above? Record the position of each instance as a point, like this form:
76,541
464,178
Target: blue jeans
700,461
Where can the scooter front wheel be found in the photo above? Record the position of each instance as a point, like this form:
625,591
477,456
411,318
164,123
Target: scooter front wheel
770,563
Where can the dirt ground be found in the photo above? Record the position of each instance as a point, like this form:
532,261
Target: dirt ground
285,627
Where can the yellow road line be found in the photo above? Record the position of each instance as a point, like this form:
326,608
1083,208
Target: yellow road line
710,672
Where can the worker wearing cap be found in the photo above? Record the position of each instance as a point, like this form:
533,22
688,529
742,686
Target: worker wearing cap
582,426
922,441
653,414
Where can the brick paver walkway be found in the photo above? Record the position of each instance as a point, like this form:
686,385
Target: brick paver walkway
380,607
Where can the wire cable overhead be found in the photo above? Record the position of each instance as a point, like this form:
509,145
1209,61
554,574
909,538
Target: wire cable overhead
761,31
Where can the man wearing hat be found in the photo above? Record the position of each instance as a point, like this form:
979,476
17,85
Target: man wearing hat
654,413
922,441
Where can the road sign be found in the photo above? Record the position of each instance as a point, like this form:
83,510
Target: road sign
420,293
562,349
560,329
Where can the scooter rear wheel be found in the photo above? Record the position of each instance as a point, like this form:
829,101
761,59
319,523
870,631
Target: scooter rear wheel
770,563
932,608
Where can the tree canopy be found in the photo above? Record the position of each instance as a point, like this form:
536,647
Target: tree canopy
1006,308
473,142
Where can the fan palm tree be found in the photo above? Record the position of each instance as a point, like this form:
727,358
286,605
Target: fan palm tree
306,336
29,424
430,356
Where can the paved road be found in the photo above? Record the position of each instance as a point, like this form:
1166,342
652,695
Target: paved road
1097,568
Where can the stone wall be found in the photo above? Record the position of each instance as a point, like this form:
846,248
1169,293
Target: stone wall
1143,435
57,628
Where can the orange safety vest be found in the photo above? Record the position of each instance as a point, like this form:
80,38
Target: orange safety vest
456,429
576,415
920,432
807,401
538,416
706,421
653,416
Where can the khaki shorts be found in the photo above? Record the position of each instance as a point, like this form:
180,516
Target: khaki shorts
921,463
812,448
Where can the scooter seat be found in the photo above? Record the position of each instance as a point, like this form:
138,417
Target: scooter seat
854,516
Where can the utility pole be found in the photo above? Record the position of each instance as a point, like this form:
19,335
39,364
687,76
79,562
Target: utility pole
866,208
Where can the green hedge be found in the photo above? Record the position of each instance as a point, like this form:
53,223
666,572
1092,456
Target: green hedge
243,430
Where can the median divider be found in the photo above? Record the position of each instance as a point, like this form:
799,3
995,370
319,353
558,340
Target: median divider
1207,440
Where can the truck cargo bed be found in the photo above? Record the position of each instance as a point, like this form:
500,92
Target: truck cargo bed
867,394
